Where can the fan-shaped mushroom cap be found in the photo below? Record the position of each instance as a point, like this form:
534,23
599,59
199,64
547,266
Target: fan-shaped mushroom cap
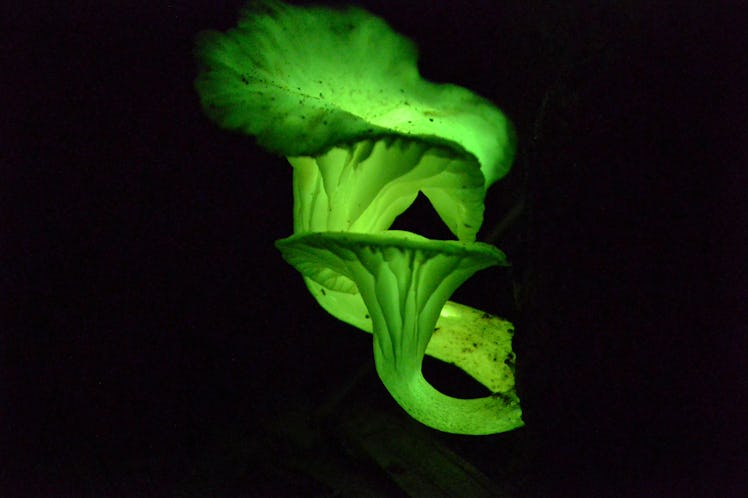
303,79
405,280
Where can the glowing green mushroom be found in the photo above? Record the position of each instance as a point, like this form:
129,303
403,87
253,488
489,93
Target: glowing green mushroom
339,94
405,280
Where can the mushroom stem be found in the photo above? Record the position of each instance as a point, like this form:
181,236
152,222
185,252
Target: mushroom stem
478,416
403,378
400,341
478,343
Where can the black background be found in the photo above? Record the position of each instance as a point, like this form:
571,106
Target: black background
149,315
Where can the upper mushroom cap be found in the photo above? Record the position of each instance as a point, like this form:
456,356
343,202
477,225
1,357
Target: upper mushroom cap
303,79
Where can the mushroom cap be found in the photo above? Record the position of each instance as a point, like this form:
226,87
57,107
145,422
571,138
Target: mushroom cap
302,79
328,258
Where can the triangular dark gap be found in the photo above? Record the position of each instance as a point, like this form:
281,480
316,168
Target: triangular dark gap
421,218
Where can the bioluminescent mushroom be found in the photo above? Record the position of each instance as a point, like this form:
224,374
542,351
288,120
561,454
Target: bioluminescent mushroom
339,94
405,280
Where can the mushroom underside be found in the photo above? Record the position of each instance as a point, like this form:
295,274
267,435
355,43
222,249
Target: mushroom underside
404,281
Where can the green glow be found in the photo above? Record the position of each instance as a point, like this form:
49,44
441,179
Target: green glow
339,94
364,186
304,79
405,280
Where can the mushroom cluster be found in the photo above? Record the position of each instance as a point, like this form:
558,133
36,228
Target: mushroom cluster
338,93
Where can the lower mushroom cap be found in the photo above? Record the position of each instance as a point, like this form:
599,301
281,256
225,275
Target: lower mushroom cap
405,281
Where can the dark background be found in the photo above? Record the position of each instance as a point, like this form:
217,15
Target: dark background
153,332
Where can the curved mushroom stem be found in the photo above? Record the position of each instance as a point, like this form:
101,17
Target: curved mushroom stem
478,343
478,416
399,347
